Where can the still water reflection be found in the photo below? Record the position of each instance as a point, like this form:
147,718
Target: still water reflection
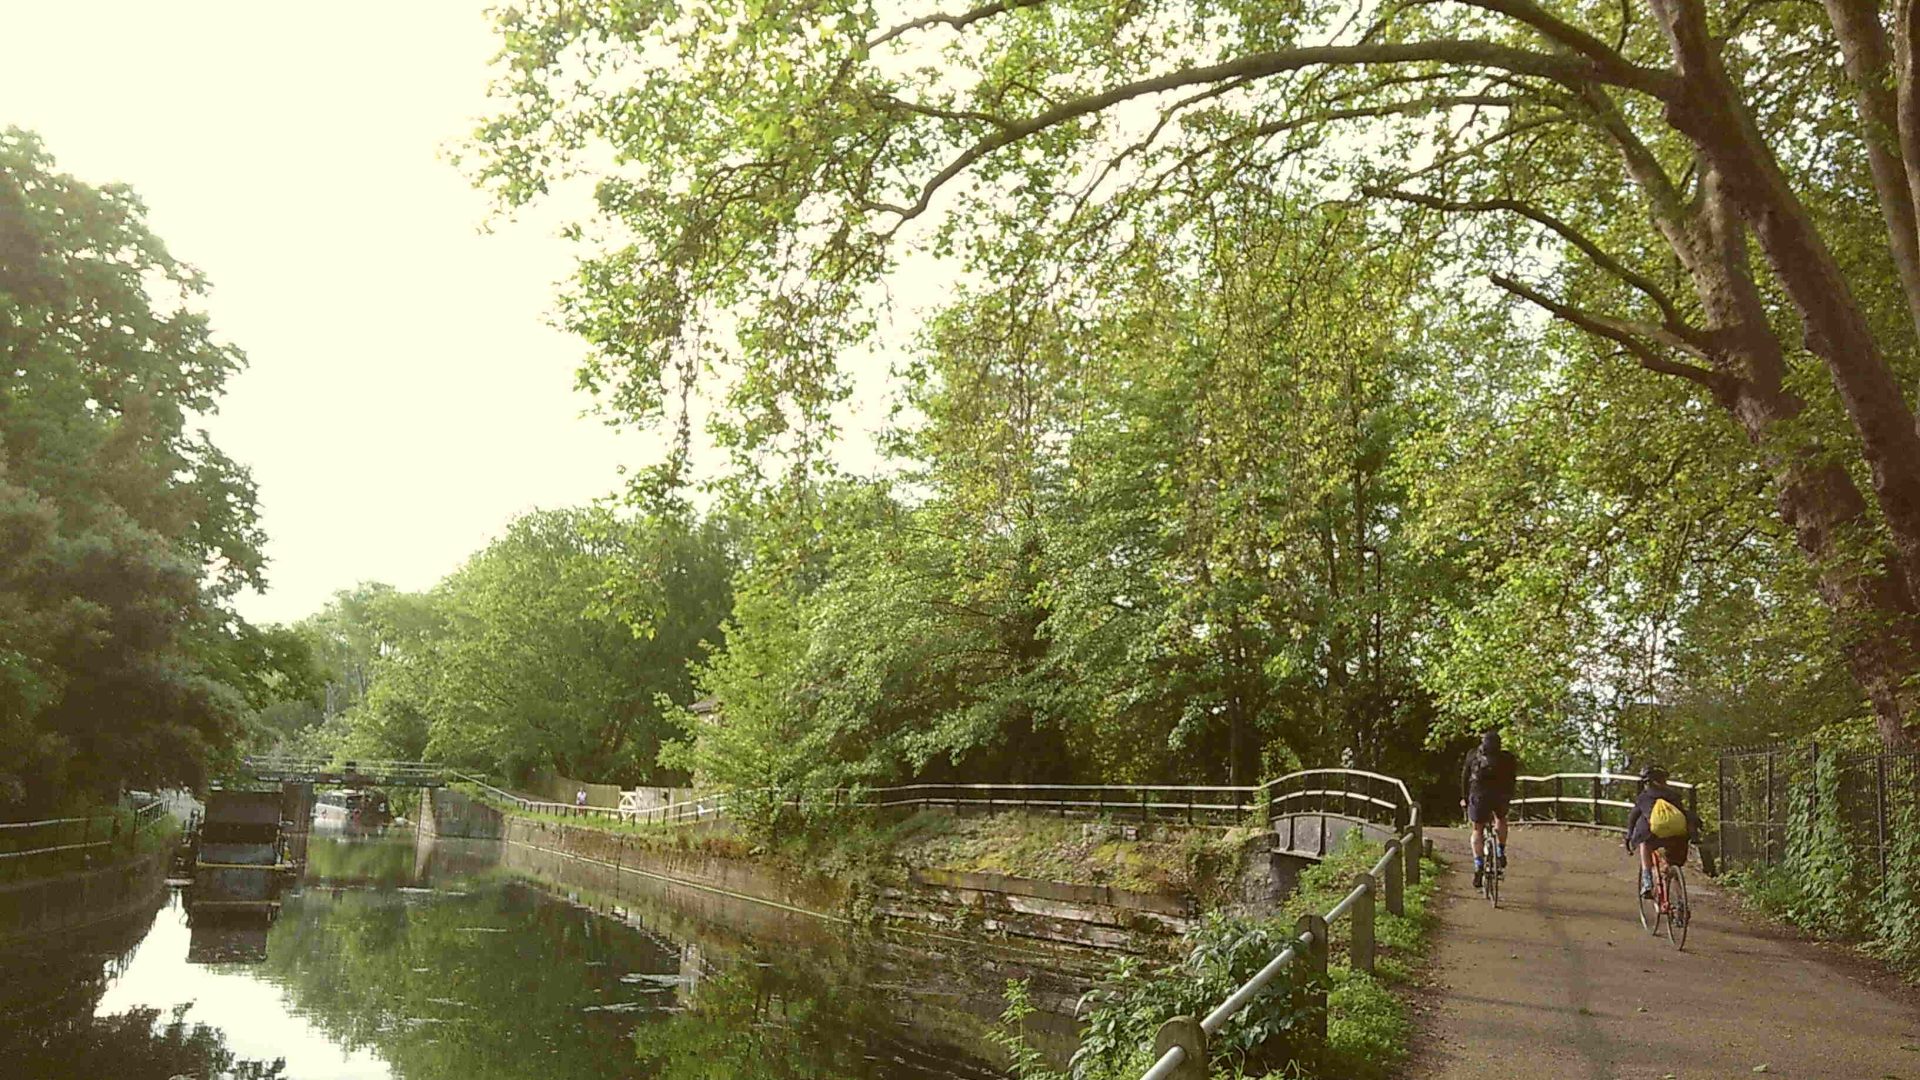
432,961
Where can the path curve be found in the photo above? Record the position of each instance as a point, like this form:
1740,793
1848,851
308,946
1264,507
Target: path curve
1553,984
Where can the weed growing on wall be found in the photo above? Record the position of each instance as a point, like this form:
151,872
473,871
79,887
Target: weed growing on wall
1367,1027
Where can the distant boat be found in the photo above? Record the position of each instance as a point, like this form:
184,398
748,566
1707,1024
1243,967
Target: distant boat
352,806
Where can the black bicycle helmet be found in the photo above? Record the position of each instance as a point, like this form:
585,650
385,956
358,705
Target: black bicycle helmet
1652,774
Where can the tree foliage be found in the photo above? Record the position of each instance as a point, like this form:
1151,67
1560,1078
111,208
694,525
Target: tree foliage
124,532
1717,195
562,646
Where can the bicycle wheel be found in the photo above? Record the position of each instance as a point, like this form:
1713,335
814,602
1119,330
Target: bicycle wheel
1649,909
1492,888
1680,913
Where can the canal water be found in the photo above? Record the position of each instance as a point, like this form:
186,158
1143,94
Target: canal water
396,958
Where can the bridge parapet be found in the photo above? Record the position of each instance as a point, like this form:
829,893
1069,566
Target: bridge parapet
278,769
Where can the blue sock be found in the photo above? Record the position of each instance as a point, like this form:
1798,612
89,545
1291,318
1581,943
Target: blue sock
1479,863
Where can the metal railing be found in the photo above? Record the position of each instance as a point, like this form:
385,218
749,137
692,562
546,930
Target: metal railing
1192,803
1585,799
1182,1041
1867,801
279,767
1355,793
71,840
1349,792
705,808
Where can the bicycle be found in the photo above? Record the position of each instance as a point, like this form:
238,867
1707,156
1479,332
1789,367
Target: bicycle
1668,906
1492,873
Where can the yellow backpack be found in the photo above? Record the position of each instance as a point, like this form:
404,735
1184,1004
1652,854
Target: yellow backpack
1667,821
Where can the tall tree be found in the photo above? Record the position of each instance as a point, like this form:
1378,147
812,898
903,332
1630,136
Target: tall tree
564,645
1727,192
124,532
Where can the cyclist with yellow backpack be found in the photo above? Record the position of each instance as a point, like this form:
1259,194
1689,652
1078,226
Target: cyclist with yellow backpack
1660,816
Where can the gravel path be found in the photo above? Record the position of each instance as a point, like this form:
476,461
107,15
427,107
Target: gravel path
1561,982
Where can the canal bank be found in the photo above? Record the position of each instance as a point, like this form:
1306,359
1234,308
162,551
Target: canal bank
41,911
977,900
428,958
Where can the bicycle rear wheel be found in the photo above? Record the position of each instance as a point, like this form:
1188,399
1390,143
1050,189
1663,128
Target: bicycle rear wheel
1680,912
1492,888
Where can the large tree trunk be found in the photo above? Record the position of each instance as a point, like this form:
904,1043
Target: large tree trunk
1711,114
1866,587
1874,615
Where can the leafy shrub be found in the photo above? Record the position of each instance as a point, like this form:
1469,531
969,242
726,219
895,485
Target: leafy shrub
1125,1011
1829,879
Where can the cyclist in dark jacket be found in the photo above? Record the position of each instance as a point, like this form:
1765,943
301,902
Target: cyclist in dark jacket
1640,838
1486,791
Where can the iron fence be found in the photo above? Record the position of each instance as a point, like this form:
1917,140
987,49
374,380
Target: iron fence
1771,797
54,844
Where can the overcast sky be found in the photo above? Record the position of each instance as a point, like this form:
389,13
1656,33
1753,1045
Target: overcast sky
405,396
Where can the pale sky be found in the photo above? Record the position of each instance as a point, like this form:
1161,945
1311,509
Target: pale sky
405,397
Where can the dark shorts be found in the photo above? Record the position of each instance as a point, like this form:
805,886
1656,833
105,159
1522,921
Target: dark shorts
1482,806
1676,847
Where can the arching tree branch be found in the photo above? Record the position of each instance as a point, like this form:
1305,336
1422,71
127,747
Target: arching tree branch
1572,72
1675,323
1639,339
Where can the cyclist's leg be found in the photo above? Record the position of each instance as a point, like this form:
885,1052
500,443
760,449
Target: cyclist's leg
1479,845
1500,837
1646,868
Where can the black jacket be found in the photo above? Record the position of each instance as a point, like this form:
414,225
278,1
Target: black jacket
1496,773
1638,820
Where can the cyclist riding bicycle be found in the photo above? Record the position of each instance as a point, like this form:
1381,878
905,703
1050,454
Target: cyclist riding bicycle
1660,816
1486,791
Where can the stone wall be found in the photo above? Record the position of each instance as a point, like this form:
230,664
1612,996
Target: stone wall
991,906
454,814
689,864
32,909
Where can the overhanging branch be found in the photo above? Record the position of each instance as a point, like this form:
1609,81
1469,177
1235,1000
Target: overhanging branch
1675,324
1571,71
1637,338
954,22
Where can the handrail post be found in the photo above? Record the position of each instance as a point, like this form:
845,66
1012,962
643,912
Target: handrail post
1315,954
1766,836
1360,948
1596,800
1415,841
1396,880
1146,793
1559,793
1880,815
1186,1033
1721,800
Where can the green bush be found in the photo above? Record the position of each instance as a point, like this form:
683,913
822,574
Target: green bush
1829,879
1367,1025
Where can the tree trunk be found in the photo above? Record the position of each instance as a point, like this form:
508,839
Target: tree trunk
1711,114
1875,618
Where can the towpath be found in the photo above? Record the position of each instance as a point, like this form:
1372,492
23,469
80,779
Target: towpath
1561,982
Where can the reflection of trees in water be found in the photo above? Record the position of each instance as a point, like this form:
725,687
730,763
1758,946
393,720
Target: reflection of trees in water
470,987
507,982
359,860
133,1045
50,1030
775,1022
